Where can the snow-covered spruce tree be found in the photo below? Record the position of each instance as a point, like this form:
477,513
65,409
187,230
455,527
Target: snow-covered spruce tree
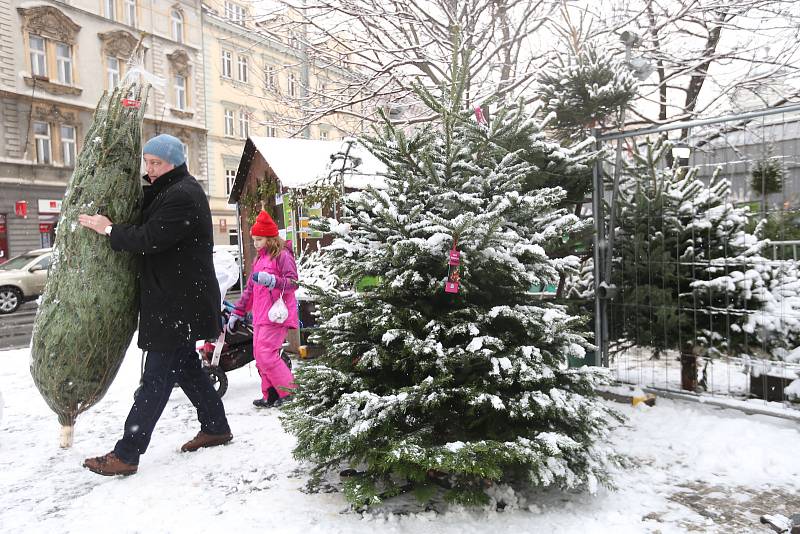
90,305
776,324
586,87
688,273
547,163
423,390
583,86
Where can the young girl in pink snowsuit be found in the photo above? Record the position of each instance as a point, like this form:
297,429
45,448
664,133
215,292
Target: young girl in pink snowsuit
274,274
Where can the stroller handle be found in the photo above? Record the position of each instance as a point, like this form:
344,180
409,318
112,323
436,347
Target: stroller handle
228,308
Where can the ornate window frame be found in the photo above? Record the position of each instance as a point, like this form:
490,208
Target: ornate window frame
52,25
55,116
180,65
177,24
118,44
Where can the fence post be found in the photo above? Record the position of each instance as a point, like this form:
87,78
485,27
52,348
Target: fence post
600,319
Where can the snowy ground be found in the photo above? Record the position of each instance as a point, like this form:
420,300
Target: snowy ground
694,469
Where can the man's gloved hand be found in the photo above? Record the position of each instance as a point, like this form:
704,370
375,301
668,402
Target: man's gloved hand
232,320
264,278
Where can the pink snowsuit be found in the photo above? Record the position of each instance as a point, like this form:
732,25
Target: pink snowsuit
267,335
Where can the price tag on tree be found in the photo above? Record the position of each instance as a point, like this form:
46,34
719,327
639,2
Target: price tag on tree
454,272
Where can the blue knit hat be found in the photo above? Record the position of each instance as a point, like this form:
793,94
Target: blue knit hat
165,147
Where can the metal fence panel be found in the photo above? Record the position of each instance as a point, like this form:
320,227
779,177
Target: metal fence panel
697,280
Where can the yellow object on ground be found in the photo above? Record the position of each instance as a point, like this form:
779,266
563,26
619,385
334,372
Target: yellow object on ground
640,396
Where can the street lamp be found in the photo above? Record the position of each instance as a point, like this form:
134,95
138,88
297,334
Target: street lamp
640,66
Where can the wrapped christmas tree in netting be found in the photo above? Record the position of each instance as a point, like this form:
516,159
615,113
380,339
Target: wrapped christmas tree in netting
89,308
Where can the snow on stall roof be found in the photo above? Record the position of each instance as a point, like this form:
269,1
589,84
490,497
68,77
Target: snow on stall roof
300,162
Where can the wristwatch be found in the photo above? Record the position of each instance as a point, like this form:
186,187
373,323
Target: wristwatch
107,230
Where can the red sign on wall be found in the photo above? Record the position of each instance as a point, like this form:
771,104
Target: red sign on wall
45,228
21,208
3,239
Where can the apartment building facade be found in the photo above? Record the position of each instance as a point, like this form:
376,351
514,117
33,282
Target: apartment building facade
56,60
259,83
223,77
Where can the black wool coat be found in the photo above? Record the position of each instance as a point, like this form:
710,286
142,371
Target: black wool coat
178,289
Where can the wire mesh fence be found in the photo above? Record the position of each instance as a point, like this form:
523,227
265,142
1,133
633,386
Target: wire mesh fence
696,258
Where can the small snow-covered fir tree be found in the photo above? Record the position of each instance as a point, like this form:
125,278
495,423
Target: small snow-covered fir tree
689,274
423,390
586,87
776,324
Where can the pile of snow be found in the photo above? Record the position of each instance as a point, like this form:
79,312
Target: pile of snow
693,468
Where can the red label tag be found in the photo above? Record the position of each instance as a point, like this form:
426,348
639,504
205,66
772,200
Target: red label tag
454,271
455,257
128,103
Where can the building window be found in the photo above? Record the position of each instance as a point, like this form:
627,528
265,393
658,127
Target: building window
64,63
272,131
322,91
243,69
177,25
111,9
323,135
244,124
130,12
292,85
229,129
180,91
68,145
112,68
38,56
230,177
41,133
235,12
270,77
227,64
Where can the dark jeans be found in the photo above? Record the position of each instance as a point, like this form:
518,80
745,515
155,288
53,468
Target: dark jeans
161,371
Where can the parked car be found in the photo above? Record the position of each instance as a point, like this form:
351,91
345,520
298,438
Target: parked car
22,278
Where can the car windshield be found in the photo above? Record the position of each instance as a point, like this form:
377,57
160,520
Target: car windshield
18,262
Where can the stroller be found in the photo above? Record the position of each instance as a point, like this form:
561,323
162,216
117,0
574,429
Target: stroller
231,351
236,352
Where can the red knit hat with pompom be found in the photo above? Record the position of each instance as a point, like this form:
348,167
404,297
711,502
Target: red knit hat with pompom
264,226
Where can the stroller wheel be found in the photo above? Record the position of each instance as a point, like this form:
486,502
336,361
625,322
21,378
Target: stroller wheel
218,379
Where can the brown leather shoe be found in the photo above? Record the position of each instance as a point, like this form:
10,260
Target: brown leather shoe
206,440
109,465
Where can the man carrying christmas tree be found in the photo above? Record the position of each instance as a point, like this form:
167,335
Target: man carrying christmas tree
179,303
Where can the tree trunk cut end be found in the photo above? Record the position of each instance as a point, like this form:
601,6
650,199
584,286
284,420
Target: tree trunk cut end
67,432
